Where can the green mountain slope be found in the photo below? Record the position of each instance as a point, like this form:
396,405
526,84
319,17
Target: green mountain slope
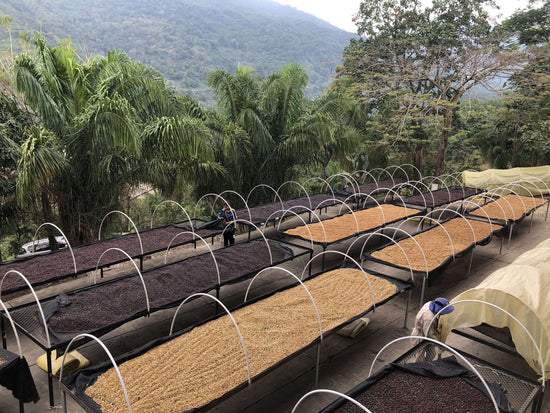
186,39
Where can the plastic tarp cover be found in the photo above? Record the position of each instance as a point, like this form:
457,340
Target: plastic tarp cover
544,244
538,257
521,290
493,178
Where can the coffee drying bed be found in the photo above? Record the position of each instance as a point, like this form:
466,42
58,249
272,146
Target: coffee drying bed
59,265
204,365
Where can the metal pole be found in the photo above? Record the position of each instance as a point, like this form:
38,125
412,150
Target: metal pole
3,332
50,376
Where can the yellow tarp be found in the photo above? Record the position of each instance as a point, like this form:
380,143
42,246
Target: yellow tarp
523,291
538,257
73,361
494,178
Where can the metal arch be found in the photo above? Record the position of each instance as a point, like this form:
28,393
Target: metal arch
452,177
314,306
322,180
340,211
205,243
212,207
462,216
414,169
297,216
375,201
450,349
301,187
261,233
411,184
350,399
510,191
230,316
395,168
432,178
382,170
530,179
492,199
129,219
267,186
348,178
467,201
518,195
333,199
372,176
443,184
301,283
104,347
13,328
365,174
509,315
242,199
378,232
424,217
64,236
517,183
178,204
35,299
135,266
352,260
398,196
314,214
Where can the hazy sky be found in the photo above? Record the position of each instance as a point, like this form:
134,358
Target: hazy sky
340,12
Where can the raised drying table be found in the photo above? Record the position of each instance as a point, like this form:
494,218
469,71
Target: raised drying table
442,384
100,308
59,265
184,377
432,249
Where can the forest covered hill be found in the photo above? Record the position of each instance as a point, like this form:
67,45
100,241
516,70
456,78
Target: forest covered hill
187,39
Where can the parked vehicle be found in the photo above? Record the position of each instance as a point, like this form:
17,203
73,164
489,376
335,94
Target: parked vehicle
39,247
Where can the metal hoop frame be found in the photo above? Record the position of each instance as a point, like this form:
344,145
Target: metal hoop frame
129,219
450,349
230,316
135,266
205,243
168,201
64,236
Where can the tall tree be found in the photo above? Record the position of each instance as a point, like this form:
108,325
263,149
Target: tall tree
530,99
416,63
266,129
93,120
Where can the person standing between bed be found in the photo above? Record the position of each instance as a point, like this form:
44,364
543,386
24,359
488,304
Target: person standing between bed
423,321
229,216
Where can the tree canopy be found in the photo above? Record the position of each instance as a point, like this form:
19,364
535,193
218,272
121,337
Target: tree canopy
413,64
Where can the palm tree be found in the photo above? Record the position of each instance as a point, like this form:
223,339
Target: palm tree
325,132
267,130
103,113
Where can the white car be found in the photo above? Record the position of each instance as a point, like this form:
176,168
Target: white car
39,247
